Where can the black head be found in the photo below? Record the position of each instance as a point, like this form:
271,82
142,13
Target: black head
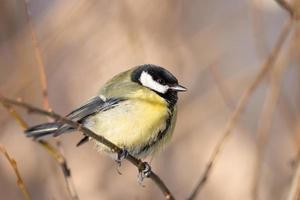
158,80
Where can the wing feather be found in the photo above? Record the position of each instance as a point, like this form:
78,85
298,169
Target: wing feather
91,107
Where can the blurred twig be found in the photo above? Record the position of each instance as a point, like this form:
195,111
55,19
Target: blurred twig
13,164
137,162
267,65
294,193
38,56
286,6
50,149
291,118
56,153
265,122
16,116
58,156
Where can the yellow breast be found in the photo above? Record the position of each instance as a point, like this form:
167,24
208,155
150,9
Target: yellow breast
134,122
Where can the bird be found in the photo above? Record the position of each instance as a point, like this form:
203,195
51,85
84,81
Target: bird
136,110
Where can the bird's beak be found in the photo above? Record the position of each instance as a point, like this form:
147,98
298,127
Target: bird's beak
179,88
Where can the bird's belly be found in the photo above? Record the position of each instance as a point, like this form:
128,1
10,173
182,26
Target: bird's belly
131,125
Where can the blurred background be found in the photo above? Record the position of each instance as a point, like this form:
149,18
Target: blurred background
215,48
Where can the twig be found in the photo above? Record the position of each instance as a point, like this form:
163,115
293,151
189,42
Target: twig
16,116
51,150
265,122
241,105
38,56
58,155
137,162
13,164
290,117
294,193
286,6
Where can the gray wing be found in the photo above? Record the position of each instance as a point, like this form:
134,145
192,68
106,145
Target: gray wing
91,107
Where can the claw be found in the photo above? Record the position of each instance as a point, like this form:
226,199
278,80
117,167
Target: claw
118,166
144,172
120,157
82,141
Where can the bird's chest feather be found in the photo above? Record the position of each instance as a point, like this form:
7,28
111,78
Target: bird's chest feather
133,122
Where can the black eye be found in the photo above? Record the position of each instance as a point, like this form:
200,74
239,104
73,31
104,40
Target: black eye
161,81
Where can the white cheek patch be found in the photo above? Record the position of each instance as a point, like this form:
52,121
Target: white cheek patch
147,81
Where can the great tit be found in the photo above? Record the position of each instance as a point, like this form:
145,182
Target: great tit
136,110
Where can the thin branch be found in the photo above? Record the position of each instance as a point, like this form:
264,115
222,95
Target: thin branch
286,6
290,117
58,155
265,123
16,116
135,161
294,193
241,106
20,181
38,56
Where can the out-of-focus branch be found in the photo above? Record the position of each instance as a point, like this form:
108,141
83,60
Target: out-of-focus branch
286,6
55,152
58,157
267,65
20,181
16,116
38,56
265,123
294,193
142,166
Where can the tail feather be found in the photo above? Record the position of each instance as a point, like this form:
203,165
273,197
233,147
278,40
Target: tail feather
43,130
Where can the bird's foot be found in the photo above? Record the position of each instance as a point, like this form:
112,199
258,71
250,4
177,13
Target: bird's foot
120,157
144,172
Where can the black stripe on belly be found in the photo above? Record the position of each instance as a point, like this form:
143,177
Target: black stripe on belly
159,136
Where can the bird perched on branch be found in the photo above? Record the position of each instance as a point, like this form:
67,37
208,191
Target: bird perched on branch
136,110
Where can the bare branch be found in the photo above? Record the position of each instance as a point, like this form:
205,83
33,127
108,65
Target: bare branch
286,6
265,123
57,155
60,159
294,193
38,56
16,116
51,149
267,65
137,162
20,181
